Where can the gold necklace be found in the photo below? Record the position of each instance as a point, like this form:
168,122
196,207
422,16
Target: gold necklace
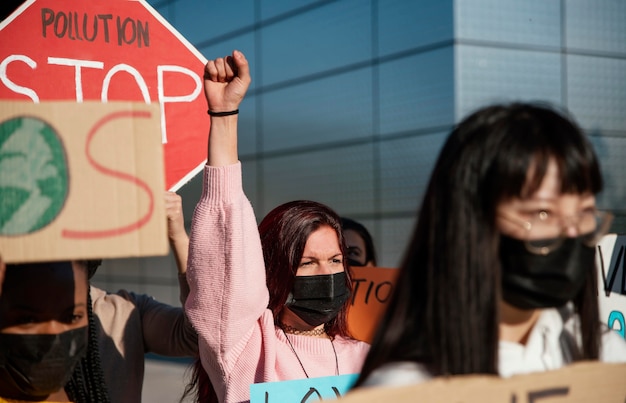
292,330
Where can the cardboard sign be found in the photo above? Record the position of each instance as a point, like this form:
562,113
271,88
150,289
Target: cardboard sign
106,51
611,263
582,382
371,289
302,390
80,181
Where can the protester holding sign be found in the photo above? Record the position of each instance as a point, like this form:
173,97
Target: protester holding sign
269,306
500,277
123,326
131,325
48,342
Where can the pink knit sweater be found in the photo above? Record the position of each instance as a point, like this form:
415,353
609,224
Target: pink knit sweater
227,305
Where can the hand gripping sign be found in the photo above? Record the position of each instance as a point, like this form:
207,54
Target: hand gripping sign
106,51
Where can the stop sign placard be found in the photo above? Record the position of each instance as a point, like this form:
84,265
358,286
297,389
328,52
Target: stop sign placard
108,51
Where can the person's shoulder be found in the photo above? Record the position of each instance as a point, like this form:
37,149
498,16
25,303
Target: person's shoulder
399,373
121,298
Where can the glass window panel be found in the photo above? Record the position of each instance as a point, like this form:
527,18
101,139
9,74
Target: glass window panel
333,109
396,235
209,19
405,167
491,75
598,25
404,25
596,91
274,8
323,39
529,22
417,92
341,177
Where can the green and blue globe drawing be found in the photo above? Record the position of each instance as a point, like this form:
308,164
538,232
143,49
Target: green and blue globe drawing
34,177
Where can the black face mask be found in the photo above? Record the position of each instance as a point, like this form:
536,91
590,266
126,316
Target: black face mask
36,365
318,299
531,281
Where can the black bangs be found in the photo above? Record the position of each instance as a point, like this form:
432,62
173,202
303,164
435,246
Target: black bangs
532,138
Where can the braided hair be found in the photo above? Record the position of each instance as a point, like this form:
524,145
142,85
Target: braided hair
87,383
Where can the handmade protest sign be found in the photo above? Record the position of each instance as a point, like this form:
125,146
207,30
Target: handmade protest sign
106,51
371,290
302,390
80,181
611,264
580,383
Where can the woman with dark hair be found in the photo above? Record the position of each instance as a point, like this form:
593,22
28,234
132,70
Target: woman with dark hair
360,249
269,304
500,277
121,328
48,340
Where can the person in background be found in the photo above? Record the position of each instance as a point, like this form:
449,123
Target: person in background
360,249
48,344
131,325
269,304
122,326
499,276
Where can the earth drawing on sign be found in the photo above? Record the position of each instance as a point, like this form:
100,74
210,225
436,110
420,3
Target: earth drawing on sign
34,179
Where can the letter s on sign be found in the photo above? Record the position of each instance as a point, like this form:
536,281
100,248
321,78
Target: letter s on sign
116,174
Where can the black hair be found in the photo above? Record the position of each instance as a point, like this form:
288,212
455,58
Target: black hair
444,312
92,266
87,384
284,232
199,385
370,251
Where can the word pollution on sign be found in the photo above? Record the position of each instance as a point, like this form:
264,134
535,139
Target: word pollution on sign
102,27
578,383
302,390
371,291
115,50
80,181
611,264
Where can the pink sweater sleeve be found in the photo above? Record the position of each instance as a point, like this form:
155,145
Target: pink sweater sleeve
226,272
227,305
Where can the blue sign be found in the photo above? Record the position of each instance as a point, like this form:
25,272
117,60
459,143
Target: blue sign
302,390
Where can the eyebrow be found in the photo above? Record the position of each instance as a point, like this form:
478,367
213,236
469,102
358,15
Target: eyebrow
315,258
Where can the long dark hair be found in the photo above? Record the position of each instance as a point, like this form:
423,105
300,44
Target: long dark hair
444,311
87,383
284,232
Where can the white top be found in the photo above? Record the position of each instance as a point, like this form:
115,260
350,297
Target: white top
542,352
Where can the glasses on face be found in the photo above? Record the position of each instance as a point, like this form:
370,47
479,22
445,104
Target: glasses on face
546,231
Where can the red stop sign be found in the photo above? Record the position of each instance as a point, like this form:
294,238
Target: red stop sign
114,50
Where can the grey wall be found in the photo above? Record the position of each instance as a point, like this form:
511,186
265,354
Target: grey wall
351,100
